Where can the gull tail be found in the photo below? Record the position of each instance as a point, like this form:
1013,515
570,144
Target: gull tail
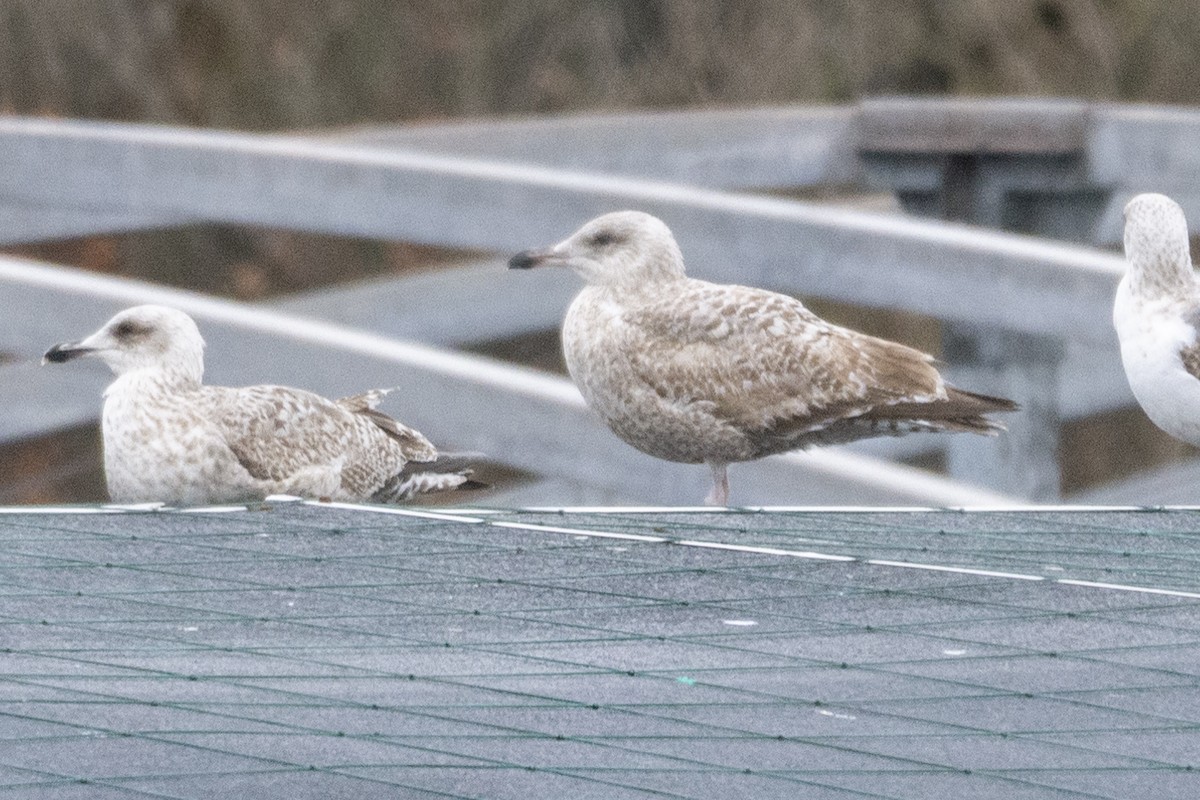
449,472
960,411
967,411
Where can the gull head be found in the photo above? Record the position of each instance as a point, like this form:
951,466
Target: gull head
628,249
1156,242
141,338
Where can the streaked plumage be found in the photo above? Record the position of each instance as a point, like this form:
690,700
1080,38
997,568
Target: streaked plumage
1157,316
169,438
692,371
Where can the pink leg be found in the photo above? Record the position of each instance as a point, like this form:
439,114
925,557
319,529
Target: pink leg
719,496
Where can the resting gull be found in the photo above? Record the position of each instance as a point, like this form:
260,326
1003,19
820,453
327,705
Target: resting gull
697,372
169,438
1157,315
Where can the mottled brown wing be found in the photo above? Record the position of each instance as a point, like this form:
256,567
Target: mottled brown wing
1190,355
276,431
763,361
414,445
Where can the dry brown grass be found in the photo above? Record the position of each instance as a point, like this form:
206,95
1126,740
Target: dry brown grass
282,64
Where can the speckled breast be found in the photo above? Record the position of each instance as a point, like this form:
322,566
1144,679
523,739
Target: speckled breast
598,358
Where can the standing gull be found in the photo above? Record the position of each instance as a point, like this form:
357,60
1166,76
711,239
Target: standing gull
1157,315
697,372
169,438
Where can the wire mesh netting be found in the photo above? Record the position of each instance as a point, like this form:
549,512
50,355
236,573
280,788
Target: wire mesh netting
299,650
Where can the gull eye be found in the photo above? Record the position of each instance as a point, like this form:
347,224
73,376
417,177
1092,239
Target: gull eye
603,239
128,329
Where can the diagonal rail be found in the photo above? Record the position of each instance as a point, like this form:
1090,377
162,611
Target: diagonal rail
1032,286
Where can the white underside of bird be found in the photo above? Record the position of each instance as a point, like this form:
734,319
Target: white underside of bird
1156,312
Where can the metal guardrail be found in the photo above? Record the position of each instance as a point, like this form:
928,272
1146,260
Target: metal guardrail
871,259
1025,317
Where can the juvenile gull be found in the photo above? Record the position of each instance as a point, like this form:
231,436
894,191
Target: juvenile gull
1157,313
697,372
169,438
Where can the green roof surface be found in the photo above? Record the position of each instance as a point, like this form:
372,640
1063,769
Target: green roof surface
307,650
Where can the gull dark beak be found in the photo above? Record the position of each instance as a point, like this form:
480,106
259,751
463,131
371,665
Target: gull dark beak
528,259
65,352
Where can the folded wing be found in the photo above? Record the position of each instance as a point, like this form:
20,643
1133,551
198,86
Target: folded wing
764,364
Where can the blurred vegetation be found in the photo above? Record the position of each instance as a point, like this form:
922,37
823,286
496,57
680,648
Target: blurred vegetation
278,64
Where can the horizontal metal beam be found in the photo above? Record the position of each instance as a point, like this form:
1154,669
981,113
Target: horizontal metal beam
452,307
527,419
1125,148
775,147
1032,286
28,223
1009,125
1141,148
1145,147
